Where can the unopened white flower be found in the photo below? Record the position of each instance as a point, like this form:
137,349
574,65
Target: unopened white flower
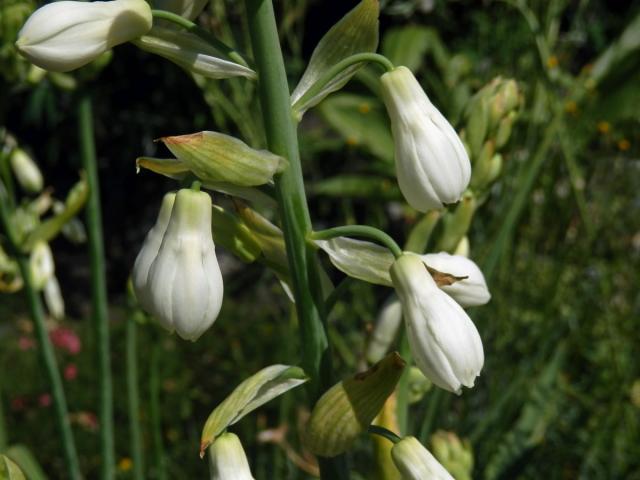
65,35
416,462
26,171
53,298
183,287
432,164
228,460
386,328
469,292
41,264
444,341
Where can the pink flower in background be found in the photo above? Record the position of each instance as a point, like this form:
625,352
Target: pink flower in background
44,400
70,372
26,343
66,339
18,403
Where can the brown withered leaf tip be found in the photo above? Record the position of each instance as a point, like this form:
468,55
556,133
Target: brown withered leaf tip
174,140
203,448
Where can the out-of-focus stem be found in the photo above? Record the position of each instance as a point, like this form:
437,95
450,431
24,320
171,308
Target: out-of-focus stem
154,410
98,286
133,394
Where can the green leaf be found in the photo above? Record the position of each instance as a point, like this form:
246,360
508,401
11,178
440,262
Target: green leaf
23,457
357,186
359,259
361,121
215,157
252,393
48,229
231,232
395,45
9,470
356,32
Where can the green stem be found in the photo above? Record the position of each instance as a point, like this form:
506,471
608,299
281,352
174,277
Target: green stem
336,293
154,413
4,440
46,348
207,36
133,394
296,222
364,231
98,286
383,432
338,68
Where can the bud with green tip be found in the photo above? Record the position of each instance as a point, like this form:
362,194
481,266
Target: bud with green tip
26,171
348,408
432,164
228,460
65,35
416,462
41,264
444,341
183,288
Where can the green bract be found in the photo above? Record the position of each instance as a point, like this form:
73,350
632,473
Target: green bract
349,407
255,391
191,53
357,32
215,157
9,470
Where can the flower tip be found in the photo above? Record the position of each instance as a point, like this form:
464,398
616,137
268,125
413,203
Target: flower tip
203,448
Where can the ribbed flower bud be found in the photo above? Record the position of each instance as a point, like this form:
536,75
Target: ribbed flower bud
432,164
228,460
444,341
472,290
416,462
26,171
349,407
183,287
65,35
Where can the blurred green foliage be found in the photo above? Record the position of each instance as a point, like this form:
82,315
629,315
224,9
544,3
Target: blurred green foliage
557,234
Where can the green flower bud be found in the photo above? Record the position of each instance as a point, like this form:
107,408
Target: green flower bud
504,129
349,407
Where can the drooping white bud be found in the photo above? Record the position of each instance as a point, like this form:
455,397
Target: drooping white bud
53,298
444,341
472,291
432,164
183,288
416,462
65,35
41,264
228,460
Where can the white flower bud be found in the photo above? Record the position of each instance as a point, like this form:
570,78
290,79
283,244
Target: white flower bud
470,292
386,328
432,164
416,462
65,35
444,341
183,288
228,460
26,171
41,264
53,298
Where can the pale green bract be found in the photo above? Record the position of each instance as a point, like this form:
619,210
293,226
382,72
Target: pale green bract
252,393
356,32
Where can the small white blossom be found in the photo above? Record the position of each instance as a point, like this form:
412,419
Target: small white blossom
432,164
444,341
416,462
62,36
469,292
26,171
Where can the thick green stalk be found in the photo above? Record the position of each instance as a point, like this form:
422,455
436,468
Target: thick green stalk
282,139
98,286
51,367
133,394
